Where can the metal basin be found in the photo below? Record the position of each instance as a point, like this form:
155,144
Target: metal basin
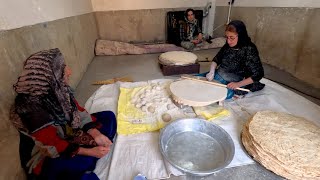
196,146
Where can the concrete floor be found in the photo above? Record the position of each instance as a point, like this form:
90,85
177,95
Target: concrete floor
145,67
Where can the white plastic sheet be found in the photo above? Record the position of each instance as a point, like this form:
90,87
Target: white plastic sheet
140,153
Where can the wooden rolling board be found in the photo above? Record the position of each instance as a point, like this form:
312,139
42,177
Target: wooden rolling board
194,93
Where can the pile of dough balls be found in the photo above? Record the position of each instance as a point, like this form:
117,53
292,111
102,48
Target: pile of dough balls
152,97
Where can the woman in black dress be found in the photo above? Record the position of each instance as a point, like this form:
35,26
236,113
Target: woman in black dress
237,64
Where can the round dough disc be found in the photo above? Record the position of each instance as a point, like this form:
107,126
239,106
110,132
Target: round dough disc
194,93
177,58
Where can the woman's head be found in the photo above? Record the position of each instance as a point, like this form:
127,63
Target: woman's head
190,14
42,71
44,80
236,34
67,74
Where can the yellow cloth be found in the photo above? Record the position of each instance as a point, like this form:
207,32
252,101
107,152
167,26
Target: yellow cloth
132,120
211,112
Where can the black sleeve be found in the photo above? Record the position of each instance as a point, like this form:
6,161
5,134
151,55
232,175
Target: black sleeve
218,58
253,63
199,28
181,31
90,125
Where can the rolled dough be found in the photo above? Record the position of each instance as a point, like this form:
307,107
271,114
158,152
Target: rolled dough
194,93
177,58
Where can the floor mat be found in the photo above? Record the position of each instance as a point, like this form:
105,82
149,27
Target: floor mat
132,156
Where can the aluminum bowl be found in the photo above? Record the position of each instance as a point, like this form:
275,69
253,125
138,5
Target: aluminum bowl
196,146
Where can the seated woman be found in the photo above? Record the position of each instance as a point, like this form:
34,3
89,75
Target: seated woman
190,31
237,64
58,138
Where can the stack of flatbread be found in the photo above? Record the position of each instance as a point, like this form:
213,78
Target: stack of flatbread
283,143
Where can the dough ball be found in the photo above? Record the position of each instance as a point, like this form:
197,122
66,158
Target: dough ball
158,88
166,117
142,96
138,105
144,108
157,100
170,106
133,100
151,109
143,101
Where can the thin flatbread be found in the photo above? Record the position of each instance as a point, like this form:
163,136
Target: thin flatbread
283,143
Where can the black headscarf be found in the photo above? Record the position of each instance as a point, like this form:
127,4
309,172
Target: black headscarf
243,37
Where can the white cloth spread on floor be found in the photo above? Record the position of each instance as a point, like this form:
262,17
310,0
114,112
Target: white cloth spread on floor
140,153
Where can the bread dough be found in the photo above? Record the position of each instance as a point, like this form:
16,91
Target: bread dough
178,58
170,106
151,109
133,100
285,144
194,93
151,98
166,117
138,105
143,101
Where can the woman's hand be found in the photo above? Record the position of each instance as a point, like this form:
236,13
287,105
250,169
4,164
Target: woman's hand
102,140
210,75
98,151
234,85
200,36
195,41
99,138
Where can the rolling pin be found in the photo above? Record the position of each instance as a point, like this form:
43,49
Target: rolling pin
212,83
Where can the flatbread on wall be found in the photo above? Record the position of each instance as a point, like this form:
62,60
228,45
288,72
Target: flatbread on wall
283,143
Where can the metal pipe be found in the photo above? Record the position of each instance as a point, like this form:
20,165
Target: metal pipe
229,13
228,18
206,9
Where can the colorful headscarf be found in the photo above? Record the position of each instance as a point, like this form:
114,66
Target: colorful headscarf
41,86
